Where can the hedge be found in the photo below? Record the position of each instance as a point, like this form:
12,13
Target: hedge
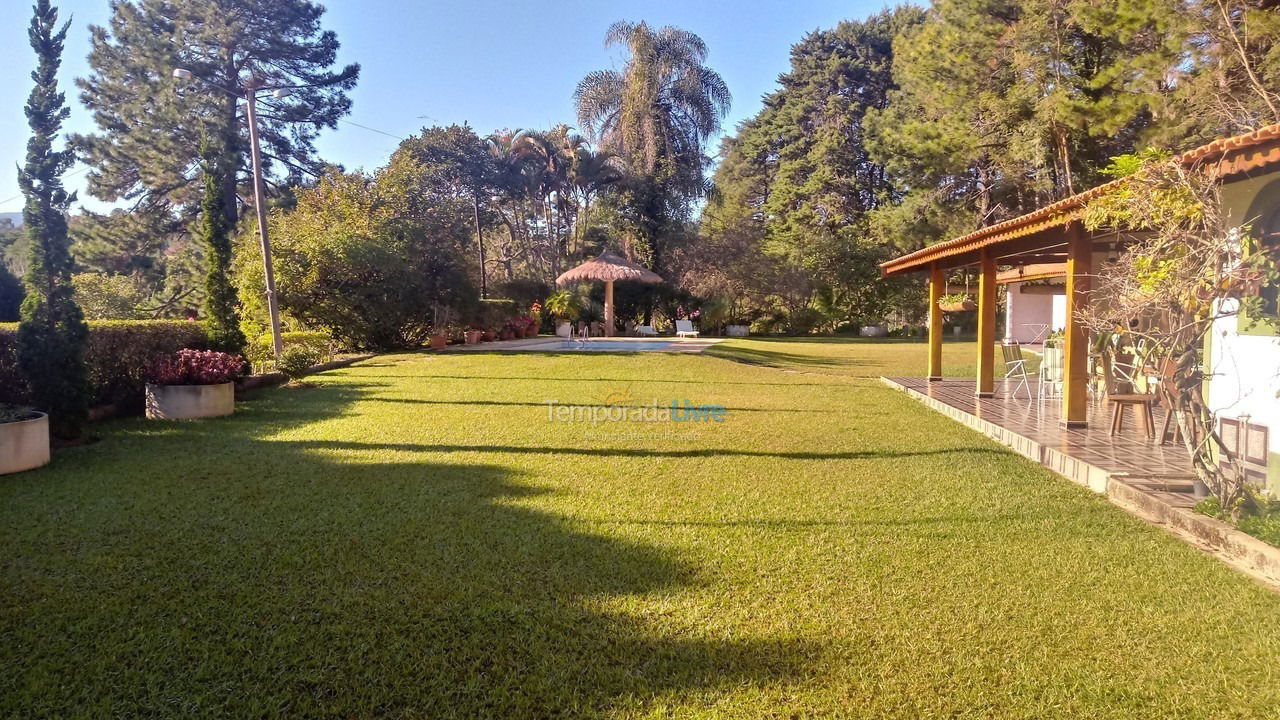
118,354
262,350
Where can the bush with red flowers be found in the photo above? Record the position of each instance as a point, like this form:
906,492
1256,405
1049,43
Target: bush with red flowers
195,367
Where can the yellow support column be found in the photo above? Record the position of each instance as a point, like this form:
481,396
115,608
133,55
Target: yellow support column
986,325
937,286
1075,386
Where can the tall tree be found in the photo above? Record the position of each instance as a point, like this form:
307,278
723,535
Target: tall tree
657,114
797,181
1006,105
151,124
53,333
221,317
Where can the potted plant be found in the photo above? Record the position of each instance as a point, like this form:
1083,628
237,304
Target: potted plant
489,335
24,439
440,327
956,302
564,307
474,335
191,384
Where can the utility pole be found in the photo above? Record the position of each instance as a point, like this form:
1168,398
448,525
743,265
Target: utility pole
260,204
259,194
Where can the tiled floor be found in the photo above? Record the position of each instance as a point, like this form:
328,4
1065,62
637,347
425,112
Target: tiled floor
1089,455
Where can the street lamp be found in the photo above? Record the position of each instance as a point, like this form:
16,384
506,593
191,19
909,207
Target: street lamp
251,105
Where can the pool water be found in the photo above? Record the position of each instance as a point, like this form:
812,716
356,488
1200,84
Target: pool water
612,346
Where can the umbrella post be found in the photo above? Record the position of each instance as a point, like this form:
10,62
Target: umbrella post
608,308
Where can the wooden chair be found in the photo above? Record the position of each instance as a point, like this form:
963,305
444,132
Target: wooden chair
1140,402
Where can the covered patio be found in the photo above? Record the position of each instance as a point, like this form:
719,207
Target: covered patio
1088,454
1069,432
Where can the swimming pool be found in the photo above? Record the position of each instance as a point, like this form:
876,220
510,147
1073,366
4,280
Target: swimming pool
606,345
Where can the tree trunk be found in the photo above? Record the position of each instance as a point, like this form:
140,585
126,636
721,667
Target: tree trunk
475,200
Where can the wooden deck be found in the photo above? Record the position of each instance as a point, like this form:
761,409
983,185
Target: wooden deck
1090,456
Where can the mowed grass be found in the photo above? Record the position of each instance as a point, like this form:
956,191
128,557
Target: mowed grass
416,539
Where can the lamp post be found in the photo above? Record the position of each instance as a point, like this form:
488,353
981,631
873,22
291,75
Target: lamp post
259,200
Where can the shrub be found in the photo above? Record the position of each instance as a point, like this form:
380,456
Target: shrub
195,367
261,351
117,357
297,360
493,313
369,258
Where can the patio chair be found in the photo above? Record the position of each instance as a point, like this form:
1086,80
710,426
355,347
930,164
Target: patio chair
684,328
1051,374
646,331
1121,395
1015,366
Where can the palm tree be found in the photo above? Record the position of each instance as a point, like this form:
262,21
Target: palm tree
591,173
659,112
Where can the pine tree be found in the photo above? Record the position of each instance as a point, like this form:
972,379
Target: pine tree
152,124
222,318
53,333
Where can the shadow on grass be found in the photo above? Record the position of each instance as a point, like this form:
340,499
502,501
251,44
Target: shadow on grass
630,381
645,452
544,405
225,569
776,358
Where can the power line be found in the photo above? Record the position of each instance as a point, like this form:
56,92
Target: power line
82,171
366,127
79,172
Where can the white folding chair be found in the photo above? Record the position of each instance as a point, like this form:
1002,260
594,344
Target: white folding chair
1015,367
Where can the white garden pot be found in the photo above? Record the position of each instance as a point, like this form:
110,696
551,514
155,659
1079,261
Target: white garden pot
737,330
24,444
564,329
873,331
190,402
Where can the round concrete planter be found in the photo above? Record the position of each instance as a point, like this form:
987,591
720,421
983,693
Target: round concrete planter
24,444
737,330
873,331
564,330
190,402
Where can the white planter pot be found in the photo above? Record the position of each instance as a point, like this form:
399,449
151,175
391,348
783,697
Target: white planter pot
24,444
737,330
874,331
564,329
190,402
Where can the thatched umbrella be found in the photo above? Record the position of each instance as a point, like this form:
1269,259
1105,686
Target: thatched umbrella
608,268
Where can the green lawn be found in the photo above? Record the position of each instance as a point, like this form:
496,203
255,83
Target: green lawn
414,538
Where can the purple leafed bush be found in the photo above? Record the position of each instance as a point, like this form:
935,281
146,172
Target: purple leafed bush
195,367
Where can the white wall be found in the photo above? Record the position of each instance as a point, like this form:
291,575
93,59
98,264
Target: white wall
1245,377
1025,314
1245,369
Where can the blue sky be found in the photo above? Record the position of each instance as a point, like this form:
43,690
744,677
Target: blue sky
490,63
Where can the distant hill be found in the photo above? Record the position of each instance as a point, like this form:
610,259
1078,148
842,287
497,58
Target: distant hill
15,217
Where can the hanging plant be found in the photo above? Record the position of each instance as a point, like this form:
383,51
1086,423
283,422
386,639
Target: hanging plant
957,302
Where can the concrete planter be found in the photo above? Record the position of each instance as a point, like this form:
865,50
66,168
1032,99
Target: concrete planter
737,330
873,331
439,341
24,444
474,337
190,402
564,330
